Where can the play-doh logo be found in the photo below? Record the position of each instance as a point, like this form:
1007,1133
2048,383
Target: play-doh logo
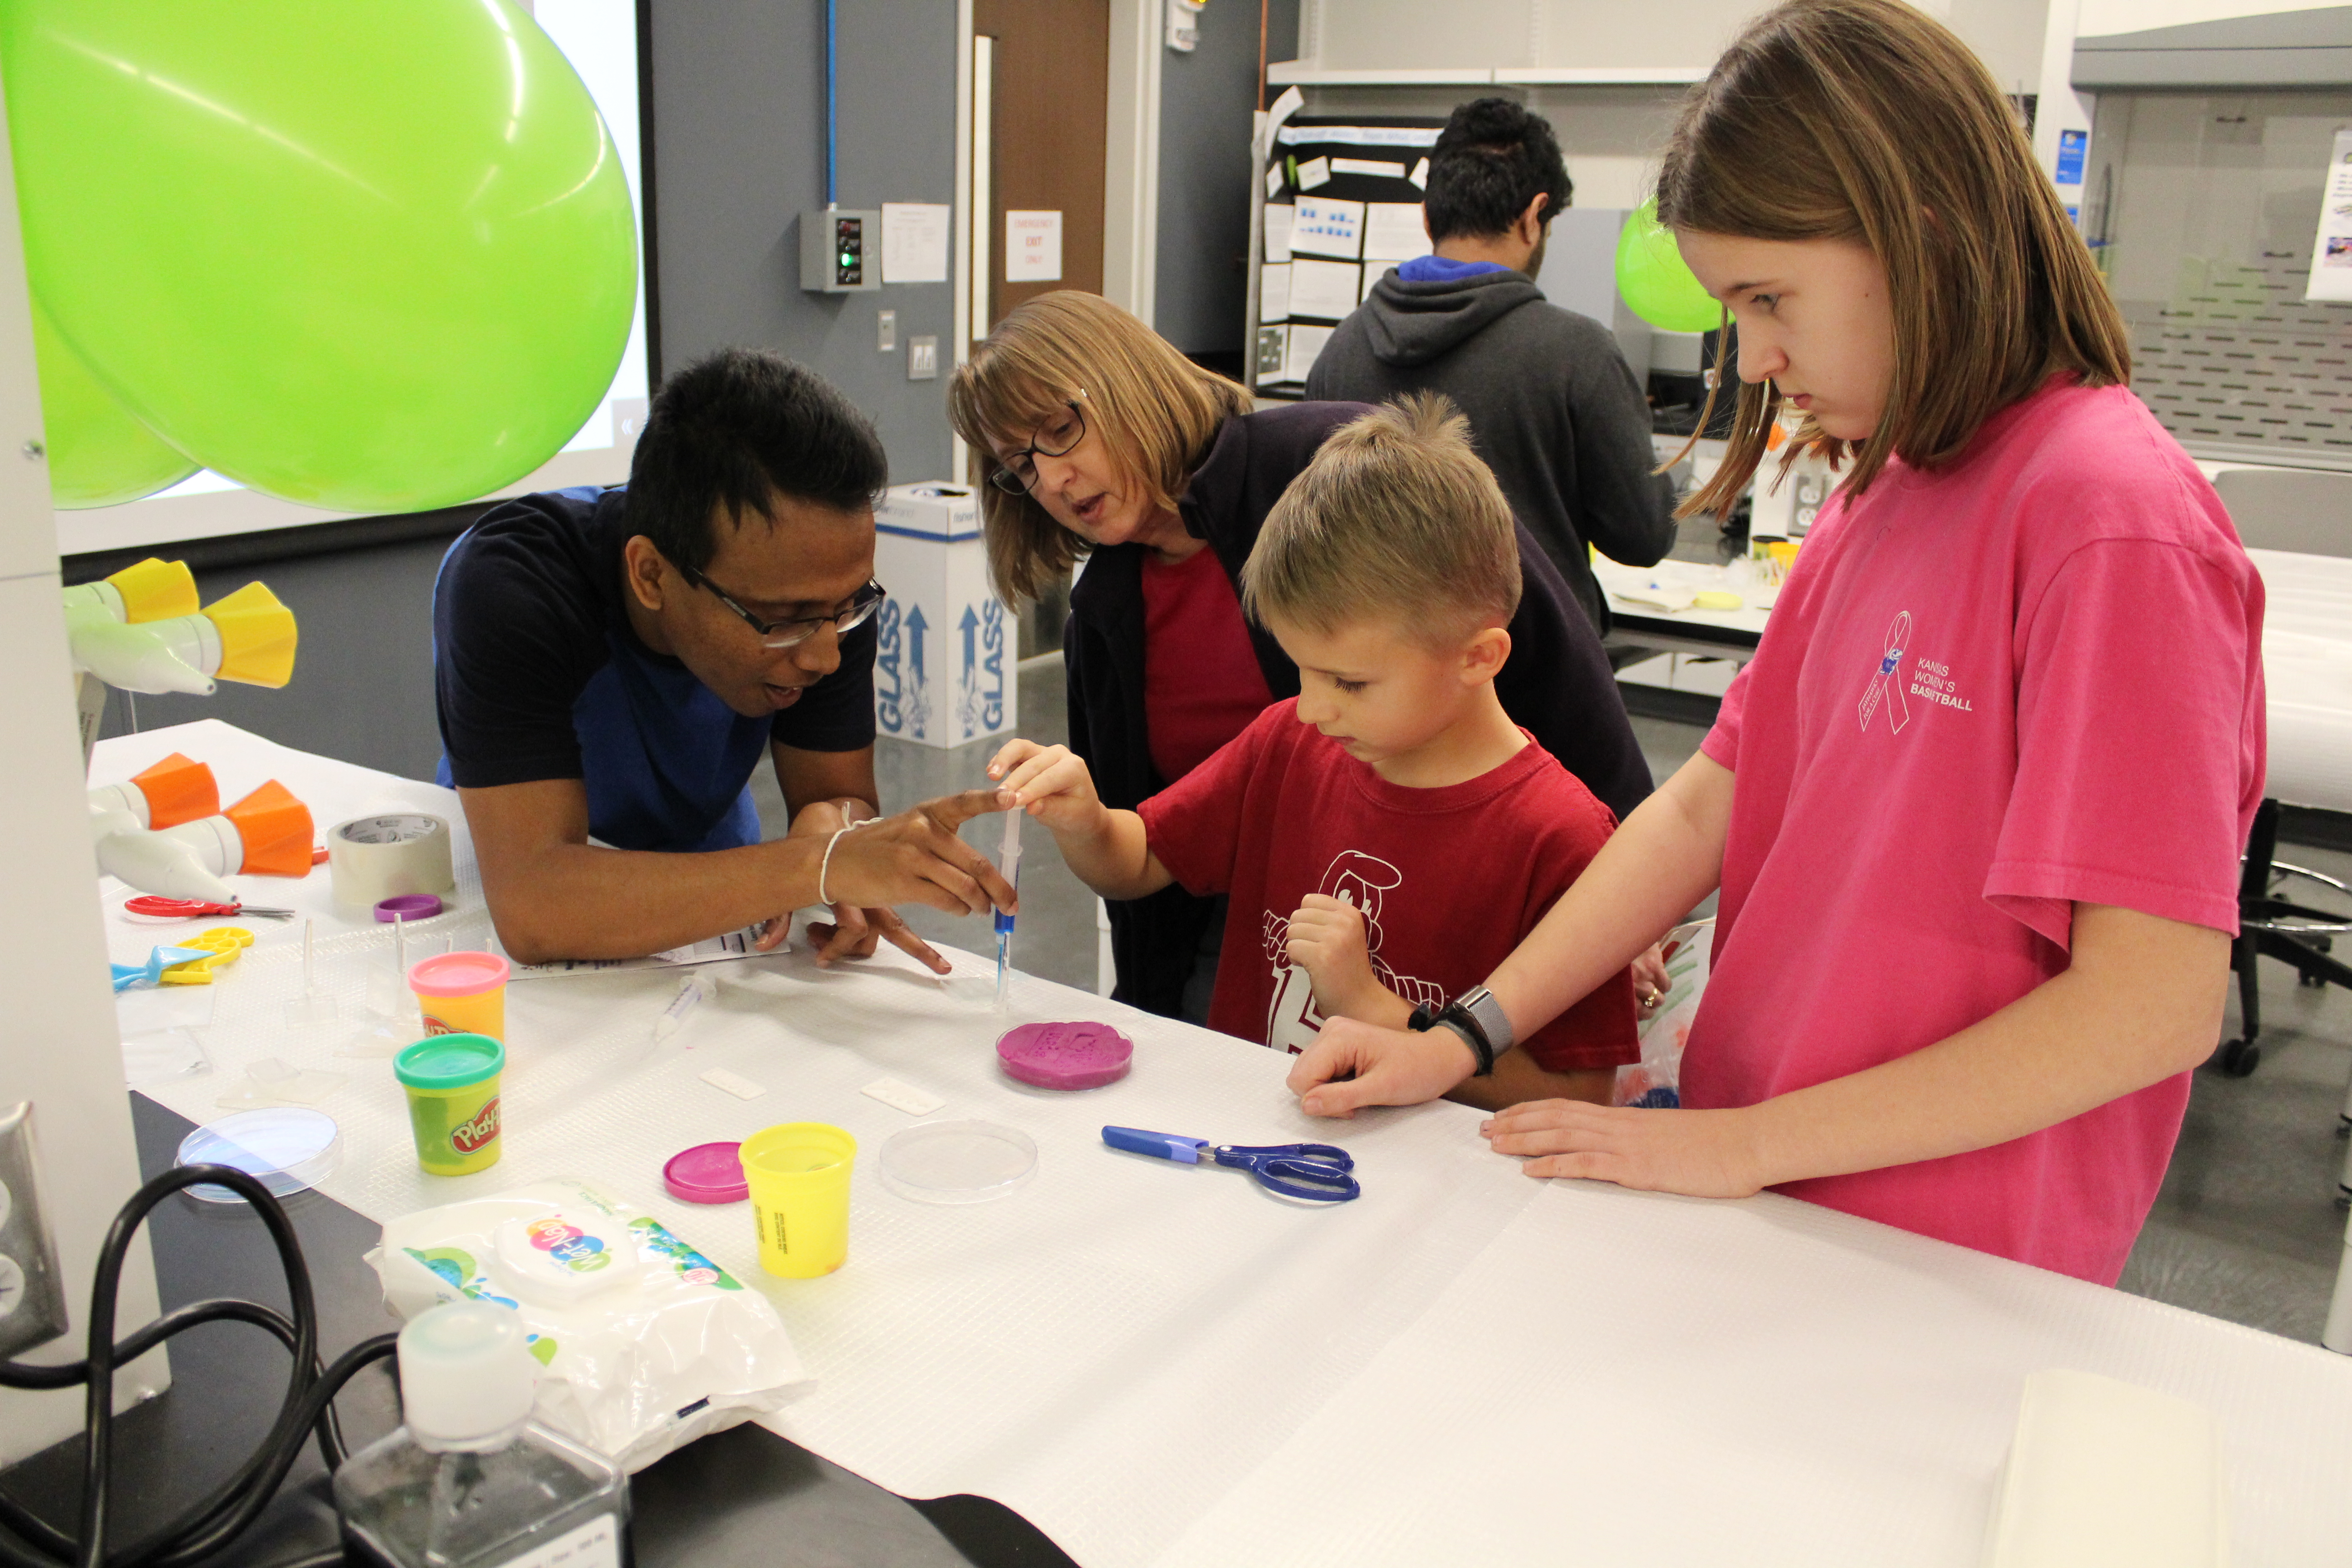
469,1136
568,1244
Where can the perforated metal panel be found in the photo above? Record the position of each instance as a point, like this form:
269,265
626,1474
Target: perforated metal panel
2202,209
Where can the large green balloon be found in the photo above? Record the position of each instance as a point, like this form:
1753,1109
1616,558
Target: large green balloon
371,257
98,455
1658,284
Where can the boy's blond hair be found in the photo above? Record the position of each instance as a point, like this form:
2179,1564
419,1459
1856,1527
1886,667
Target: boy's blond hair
1396,519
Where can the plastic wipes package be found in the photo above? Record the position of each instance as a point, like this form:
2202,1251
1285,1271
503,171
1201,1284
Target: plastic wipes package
648,1344
1656,1080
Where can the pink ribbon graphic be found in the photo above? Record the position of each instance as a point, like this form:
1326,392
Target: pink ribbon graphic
1888,681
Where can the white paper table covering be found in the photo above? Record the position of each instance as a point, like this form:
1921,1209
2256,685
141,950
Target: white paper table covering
1159,1364
2307,672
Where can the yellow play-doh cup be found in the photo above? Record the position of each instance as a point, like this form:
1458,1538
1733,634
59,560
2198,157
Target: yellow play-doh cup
461,993
452,1083
799,1178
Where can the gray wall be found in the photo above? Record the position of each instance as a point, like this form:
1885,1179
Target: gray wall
1205,99
739,154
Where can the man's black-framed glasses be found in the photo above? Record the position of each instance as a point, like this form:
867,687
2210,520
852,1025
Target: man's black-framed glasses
1057,438
791,633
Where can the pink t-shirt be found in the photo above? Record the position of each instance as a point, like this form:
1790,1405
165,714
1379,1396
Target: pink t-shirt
2029,680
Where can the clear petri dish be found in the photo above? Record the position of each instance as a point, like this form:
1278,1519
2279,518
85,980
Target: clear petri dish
286,1148
957,1162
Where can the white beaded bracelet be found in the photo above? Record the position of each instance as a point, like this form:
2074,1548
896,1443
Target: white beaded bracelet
825,865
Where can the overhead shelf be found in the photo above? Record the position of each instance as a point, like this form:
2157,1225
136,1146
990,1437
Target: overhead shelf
1298,73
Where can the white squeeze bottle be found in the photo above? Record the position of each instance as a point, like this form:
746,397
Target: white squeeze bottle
470,1480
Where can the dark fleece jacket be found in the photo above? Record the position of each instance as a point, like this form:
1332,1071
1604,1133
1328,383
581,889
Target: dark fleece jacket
1552,405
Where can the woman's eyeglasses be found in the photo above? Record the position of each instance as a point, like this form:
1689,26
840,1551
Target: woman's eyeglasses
1057,438
791,633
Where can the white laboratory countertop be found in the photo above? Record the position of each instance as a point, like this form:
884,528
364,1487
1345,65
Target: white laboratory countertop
1162,1365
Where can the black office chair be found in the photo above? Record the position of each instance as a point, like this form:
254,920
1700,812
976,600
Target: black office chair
2272,927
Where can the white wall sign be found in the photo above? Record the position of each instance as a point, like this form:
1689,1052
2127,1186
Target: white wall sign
1032,246
915,241
1326,227
2331,249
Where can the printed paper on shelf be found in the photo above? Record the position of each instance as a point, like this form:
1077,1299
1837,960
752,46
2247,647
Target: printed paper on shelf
1273,180
1420,176
1324,227
1313,173
1277,230
1273,354
1306,346
1394,232
1325,291
1274,292
2331,250
1374,166
1373,272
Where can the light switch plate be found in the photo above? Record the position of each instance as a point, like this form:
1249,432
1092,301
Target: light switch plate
31,1287
923,358
885,331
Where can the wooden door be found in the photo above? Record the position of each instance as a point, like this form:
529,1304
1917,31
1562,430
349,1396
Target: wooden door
1046,97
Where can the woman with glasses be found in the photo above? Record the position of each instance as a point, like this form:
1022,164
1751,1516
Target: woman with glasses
611,666
1099,443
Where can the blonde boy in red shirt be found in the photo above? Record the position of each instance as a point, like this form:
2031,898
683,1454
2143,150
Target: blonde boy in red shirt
1388,835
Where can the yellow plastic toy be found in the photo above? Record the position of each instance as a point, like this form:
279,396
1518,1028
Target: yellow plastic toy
223,943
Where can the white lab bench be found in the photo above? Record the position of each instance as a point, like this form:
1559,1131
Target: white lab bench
1162,1365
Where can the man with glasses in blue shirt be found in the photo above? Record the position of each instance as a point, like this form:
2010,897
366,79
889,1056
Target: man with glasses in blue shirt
610,666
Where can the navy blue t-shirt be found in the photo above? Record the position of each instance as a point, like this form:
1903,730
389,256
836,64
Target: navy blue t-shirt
537,675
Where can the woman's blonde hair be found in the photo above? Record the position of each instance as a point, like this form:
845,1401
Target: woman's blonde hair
1396,519
1869,120
1154,411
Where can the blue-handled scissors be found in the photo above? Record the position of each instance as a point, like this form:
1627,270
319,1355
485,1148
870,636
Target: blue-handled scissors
1316,1172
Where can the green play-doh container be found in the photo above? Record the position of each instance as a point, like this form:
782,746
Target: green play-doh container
453,1100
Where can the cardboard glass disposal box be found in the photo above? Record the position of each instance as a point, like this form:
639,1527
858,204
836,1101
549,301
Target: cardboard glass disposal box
944,652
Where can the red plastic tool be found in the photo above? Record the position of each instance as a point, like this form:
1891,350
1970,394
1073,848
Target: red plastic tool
196,908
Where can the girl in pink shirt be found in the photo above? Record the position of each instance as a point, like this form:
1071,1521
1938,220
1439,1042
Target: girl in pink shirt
1976,807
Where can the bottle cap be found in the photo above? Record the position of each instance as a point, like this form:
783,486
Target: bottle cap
466,1376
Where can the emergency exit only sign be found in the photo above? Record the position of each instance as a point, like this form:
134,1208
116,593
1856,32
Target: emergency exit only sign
1032,246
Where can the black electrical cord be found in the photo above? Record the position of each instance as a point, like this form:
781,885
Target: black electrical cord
306,1410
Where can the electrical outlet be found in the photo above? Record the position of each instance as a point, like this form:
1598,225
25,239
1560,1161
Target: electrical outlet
922,358
32,1288
885,331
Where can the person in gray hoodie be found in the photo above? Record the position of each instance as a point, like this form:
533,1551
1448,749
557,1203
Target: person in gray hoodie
1553,406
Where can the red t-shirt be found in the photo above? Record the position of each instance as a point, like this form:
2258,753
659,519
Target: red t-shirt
2027,679
1202,683
1449,880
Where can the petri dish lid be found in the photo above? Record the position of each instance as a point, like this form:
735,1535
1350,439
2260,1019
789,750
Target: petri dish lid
286,1148
957,1162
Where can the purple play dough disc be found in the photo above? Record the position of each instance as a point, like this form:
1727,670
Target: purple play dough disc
1067,1055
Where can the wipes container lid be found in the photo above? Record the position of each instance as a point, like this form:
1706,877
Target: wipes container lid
466,1376
563,1258
449,1061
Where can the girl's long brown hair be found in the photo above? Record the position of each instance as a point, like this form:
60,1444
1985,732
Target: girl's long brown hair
1869,120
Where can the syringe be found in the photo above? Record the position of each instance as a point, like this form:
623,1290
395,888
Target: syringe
1008,863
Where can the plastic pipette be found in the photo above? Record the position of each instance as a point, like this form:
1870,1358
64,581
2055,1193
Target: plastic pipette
692,993
1008,863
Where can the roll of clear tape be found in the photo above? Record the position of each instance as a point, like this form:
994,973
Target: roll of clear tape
372,858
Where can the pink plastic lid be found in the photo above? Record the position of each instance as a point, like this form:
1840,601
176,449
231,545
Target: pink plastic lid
707,1174
458,974
1082,1055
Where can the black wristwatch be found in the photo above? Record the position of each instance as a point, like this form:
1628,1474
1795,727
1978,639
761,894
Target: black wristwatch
1478,1018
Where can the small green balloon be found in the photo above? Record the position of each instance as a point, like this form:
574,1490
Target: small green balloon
1658,285
98,455
367,258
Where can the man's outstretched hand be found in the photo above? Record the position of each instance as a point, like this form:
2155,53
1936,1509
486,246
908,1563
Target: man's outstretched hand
914,857
1352,1065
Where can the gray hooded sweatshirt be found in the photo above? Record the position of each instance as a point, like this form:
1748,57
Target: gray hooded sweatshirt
1552,404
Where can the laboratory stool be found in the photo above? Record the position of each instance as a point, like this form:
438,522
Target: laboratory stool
2270,926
